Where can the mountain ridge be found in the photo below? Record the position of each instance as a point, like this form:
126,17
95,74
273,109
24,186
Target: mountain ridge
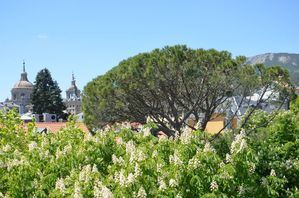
290,61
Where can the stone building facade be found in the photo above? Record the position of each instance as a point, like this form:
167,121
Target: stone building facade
73,99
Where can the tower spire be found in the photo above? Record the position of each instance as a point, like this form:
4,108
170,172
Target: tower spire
24,69
73,79
24,74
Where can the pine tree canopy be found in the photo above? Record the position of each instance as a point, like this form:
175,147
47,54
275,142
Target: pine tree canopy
46,96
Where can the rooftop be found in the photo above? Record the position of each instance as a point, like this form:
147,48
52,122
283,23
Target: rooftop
56,126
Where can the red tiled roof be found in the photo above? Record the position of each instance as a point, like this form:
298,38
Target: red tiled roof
56,126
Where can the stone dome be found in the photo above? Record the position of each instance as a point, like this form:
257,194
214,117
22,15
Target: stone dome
23,84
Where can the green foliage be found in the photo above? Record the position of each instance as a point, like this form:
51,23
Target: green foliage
46,96
295,104
124,163
167,85
281,139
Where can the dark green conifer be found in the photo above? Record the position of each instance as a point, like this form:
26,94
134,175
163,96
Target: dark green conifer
46,96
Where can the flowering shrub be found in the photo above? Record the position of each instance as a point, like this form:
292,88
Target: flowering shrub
124,163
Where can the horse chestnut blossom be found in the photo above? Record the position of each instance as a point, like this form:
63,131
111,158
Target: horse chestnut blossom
131,150
159,168
116,160
241,190
67,149
95,169
273,173
194,163
6,148
173,183
137,171
32,145
162,185
251,168
208,148
101,191
228,158
239,143
213,186
154,154
85,173
16,162
77,191
175,159
186,136
131,178
59,185
141,193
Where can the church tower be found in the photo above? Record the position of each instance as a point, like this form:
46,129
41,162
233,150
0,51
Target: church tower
73,98
21,92
73,91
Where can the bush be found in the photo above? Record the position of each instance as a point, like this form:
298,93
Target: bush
124,163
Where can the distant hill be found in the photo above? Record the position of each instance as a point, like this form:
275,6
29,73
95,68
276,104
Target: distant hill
289,61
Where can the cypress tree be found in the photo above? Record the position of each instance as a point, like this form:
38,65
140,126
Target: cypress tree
46,96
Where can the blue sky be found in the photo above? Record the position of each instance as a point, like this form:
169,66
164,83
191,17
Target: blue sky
90,37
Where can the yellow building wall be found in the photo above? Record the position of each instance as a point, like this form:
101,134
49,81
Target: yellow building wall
217,124
214,126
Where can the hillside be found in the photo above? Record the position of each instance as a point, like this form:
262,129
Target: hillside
289,61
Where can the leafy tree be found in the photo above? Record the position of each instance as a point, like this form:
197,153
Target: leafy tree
46,96
169,85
